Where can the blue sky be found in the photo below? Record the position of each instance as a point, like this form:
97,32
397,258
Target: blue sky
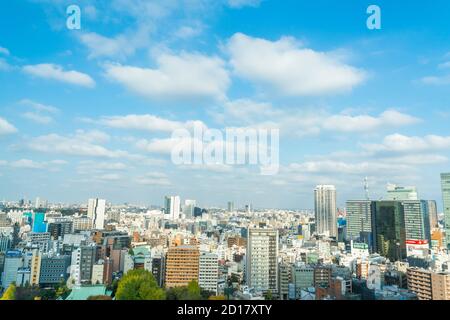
89,112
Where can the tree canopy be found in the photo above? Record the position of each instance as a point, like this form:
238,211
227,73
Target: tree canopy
10,293
139,285
190,292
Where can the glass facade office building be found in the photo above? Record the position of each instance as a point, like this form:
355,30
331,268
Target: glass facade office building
389,229
445,182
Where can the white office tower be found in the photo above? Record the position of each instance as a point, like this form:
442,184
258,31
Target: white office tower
262,266
208,272
325,210
96,212
395,192
172,207
75,270
37,204
188,210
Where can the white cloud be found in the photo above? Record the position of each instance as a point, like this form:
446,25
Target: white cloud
26,164
101,46
162,146
183,76
305,122
243,3
436,80
38,118
154,178
4,66
93,136
146,122
76,145
40,113
444,65
6,127
39,106
290,69
189,31
91,12
90,167
31,164
4,51
56,72
109,177
341,167
405,144
366,123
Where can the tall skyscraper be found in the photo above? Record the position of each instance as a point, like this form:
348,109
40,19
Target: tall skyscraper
395,192
325,210
417,221
230,206
188,208
262,265
172,207
359,220
445,183
433,213
96,212
388,225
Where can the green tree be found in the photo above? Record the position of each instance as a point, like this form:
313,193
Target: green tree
62,291
193,291
190,292
113,287
139,285
269,295
10,293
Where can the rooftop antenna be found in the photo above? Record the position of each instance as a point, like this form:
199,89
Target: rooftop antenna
366,188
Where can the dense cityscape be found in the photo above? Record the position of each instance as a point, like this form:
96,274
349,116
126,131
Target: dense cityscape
395,248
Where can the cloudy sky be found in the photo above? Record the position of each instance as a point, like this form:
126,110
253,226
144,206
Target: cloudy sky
91,112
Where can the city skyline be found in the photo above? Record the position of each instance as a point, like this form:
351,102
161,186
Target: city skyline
89,113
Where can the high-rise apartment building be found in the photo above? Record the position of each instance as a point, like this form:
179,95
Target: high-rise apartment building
325,210
419,282
208,272
96,212
182,263
262,253
445,184
440,283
